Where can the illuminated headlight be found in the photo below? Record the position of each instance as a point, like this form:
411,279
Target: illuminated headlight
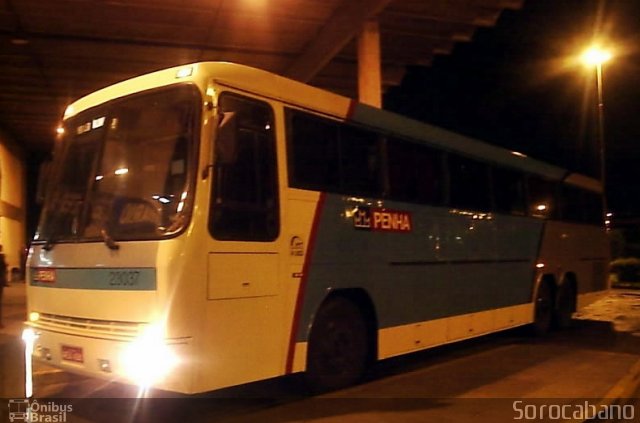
148,359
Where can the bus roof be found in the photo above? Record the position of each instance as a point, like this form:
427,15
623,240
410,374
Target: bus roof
304,96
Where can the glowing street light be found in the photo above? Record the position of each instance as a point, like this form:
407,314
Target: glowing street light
595,56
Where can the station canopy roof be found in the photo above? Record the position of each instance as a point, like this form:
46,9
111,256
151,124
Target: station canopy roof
56,51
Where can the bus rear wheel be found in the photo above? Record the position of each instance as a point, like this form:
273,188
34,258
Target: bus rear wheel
337,354
565,306
543,310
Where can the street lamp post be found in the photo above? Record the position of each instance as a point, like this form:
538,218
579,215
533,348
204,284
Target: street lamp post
596,57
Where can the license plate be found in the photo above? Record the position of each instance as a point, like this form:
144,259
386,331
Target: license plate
73,354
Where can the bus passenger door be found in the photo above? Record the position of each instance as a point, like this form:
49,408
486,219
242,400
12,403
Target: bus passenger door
243,318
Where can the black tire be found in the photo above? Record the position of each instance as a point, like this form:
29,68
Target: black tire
543,310
337,354
566,301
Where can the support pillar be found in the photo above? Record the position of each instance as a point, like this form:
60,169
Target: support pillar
369,74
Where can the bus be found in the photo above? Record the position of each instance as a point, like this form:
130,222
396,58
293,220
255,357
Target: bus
213,224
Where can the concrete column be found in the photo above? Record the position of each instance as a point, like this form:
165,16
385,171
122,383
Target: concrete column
369,78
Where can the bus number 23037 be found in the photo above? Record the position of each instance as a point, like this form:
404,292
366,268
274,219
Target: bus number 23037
124,278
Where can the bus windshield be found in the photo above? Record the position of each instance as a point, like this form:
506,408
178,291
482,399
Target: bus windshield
124,170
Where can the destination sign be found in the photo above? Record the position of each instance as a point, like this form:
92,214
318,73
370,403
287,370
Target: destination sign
382,220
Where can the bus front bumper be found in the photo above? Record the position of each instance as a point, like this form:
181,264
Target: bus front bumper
146,361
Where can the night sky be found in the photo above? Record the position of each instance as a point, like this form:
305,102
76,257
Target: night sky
519,85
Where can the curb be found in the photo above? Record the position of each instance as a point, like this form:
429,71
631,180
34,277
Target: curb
625,387
622,391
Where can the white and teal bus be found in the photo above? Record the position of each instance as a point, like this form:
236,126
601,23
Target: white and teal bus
213,224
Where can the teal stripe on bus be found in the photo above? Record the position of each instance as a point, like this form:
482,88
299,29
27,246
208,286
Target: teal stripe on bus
106,279
447,264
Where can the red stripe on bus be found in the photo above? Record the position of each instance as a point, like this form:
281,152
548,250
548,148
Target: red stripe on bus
303,283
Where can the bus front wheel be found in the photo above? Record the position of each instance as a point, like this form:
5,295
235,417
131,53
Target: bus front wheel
338,346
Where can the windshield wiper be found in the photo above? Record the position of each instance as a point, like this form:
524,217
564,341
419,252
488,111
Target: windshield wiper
48,244
108,240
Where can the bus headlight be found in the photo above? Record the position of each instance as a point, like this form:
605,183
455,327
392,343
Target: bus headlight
148,359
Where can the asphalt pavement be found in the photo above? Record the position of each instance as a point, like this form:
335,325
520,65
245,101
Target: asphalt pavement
599,361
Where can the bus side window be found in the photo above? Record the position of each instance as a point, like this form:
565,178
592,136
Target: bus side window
313,152
415,172
245,187
469,184
360,162
542,198
509,192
